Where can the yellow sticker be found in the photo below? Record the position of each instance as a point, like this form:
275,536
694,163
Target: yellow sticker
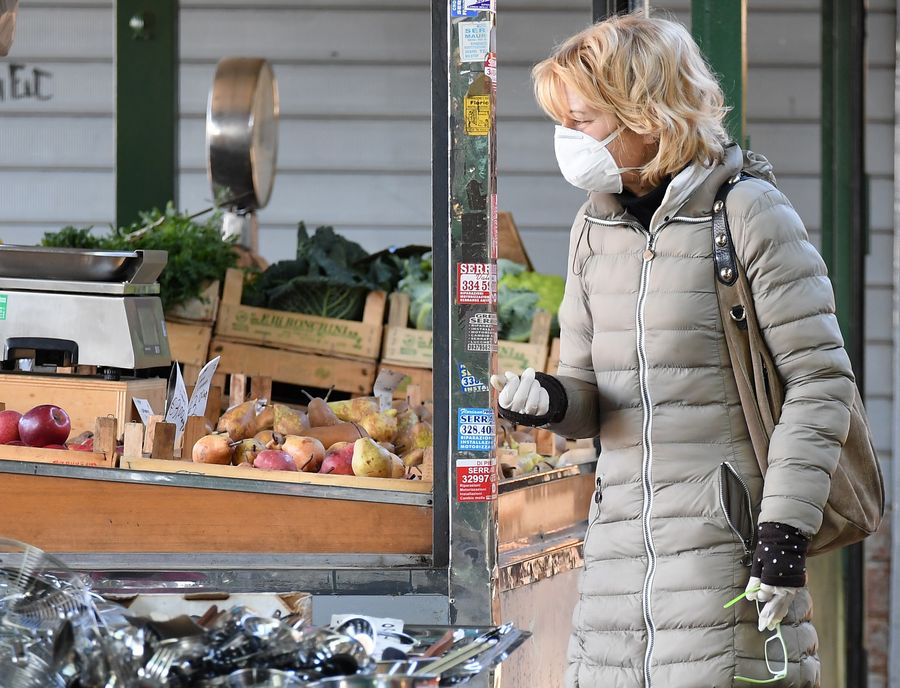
478,115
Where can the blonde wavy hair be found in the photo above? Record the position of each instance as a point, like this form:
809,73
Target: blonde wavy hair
649,74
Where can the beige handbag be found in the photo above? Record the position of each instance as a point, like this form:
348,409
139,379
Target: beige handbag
856,502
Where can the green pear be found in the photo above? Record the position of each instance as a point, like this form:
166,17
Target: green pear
354,410
371,460
382,427
288,421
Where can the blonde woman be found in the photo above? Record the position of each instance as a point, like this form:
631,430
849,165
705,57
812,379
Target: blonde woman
682,520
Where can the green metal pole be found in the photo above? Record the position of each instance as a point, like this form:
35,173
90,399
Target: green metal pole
720,29
844,245
146,105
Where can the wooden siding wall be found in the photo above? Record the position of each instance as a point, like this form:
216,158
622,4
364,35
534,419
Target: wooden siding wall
355,150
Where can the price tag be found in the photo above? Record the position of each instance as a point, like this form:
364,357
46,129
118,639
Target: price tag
476,283
144,409
476,480
200,395
177,410
475,429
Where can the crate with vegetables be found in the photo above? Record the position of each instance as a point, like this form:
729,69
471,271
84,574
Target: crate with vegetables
315,320
527,303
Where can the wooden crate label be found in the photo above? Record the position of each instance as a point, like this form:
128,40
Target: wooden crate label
408,347
516,356
298,330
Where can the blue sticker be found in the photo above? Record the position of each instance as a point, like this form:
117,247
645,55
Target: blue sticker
476,429
469,382
458,8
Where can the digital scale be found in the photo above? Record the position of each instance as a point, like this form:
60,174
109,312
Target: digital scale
73,307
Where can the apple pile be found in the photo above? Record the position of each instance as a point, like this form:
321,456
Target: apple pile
43,426
339,438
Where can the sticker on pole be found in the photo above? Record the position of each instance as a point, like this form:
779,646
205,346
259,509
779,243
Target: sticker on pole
476,283
490,70
474,41
477,115
476,480
469,382
481,332
471,8
476,429
4,300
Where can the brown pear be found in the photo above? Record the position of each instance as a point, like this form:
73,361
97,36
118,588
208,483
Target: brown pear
406,420
320,414
289,421
266,418
239,421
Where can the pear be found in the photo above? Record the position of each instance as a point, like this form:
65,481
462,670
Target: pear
414,457
307,452
398,468
240,421
265,419
354,410
406,421
246,450
320,413
371,460
382,427
422,436
287,421
212,449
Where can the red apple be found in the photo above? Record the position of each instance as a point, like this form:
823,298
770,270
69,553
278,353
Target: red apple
43,425
338,460
274,460
17,443
9,426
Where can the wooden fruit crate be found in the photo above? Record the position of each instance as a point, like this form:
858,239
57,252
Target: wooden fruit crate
83,398
408,350
295,348
190,327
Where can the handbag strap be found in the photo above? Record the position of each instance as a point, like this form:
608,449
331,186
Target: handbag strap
760,390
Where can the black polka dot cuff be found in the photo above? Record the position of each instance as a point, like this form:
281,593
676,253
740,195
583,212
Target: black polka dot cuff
780,557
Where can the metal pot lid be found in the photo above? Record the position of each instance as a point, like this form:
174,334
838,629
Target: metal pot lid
242,132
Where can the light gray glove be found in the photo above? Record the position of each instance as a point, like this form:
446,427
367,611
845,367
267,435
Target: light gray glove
521,395
777,602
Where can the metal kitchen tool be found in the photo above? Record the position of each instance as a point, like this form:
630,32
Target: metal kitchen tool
378,681
67,307
242,142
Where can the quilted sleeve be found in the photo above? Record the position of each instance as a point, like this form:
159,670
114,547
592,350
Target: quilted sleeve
576,326
796,310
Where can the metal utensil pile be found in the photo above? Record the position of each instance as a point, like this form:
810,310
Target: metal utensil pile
56,633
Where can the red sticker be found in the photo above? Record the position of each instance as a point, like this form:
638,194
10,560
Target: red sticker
476,480
476,283
490,70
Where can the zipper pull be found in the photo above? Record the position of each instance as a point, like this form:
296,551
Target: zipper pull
649,255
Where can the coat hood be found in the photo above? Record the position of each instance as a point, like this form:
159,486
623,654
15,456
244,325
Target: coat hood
693,190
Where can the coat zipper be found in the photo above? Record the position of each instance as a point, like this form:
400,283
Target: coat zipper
647,457
647,426
745,542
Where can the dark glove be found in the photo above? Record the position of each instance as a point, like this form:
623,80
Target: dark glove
777,572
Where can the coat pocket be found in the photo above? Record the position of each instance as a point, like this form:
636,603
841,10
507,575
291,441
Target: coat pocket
737,507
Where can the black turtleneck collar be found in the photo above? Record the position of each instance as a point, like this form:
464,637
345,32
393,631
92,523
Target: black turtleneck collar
643,207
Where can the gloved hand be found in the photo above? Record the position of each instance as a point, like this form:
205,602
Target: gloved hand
778,571
521,395
777,602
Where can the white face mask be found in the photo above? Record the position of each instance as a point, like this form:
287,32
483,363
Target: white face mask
7,24
585,162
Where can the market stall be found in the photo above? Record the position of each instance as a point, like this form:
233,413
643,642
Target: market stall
459,544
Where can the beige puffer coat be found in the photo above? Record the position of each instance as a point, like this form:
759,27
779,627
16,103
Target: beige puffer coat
645,367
